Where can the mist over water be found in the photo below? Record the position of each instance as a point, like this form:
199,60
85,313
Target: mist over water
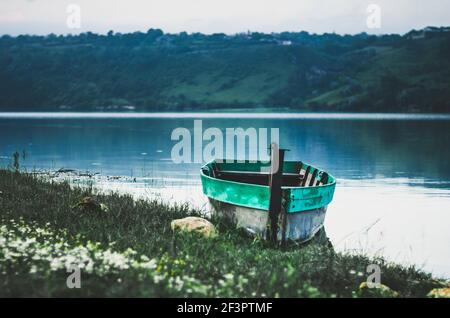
393,172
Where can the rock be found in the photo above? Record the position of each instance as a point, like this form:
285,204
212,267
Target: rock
89,203
439,293
376,290
194,224
64,170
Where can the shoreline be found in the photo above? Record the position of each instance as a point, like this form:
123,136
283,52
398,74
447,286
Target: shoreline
189,193
225,115
200,263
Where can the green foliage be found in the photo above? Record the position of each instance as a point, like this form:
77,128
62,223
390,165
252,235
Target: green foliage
16,161
154,71
131,251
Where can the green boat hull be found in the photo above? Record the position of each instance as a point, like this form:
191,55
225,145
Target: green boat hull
240,191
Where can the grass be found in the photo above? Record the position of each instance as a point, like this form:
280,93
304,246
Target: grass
130,251
328,98
250,89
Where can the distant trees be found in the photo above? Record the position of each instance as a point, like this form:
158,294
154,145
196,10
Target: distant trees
154,70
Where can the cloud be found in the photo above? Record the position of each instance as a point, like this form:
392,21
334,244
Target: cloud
11,17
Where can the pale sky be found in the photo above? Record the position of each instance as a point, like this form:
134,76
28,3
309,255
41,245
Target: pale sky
228,16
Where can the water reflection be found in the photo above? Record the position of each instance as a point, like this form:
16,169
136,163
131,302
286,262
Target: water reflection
393,192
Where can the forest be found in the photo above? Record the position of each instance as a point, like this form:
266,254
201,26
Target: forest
289,71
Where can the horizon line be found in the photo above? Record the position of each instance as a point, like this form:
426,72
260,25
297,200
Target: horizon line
223,115
225,33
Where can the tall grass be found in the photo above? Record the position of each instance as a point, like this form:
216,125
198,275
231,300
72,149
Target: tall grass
230,265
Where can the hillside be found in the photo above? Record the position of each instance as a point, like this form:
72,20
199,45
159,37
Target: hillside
154,71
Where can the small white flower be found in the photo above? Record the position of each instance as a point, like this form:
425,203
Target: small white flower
33,269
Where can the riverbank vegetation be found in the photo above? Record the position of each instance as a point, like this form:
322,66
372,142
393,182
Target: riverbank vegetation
288,71
127,248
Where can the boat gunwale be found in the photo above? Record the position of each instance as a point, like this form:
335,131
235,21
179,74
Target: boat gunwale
333,183
294,194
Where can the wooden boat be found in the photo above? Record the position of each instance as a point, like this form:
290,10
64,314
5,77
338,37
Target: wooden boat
241,192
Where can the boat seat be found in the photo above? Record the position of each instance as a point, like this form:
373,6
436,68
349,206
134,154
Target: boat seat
289,179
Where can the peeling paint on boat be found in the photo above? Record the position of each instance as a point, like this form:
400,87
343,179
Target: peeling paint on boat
247,204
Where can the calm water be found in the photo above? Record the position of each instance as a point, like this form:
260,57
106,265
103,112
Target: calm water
393,193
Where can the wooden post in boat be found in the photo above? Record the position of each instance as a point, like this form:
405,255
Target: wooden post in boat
275,183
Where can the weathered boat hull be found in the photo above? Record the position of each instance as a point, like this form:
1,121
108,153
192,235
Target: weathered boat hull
240,191
300,226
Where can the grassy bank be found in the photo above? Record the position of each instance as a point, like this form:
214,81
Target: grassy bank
130,250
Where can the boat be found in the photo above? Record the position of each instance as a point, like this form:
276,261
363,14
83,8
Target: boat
241,191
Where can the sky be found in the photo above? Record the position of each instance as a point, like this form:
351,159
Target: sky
227,16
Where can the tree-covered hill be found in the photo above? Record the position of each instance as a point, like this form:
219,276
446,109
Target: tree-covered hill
154,71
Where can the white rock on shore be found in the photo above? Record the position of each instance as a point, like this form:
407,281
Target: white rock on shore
194,224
